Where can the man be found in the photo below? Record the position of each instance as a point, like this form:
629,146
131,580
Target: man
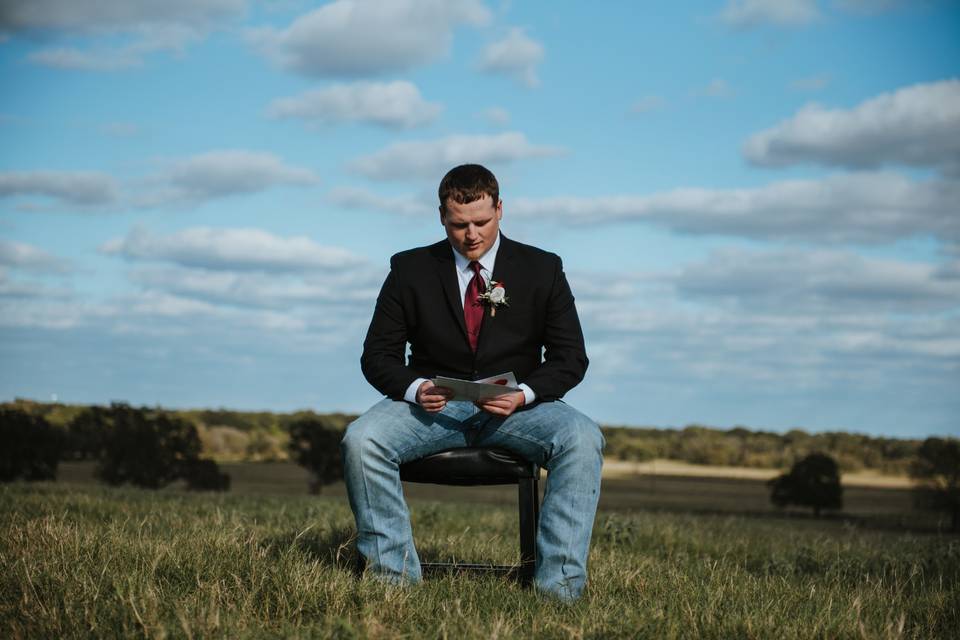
443,300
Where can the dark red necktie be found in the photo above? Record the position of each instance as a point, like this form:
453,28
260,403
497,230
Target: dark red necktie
472,307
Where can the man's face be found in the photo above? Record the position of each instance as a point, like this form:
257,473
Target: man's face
472,228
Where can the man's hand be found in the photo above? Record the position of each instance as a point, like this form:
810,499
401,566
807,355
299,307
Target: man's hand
503,405
433,398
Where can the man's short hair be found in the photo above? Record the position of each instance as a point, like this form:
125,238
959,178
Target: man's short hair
468,183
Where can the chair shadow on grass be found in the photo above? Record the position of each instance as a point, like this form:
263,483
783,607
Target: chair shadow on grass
335,548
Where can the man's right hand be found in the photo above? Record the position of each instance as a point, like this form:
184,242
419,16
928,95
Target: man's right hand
433,398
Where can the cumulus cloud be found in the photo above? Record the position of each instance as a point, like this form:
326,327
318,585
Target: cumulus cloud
17,15
28,257
356,287
716,88
782,13
148,39
818,282
917,125
361,199
647,104
354,38
430,158
218,174
859,207
812,83
868,7
242,249
516,55
77,188
147,27
497,116
396,105
186,181
119,129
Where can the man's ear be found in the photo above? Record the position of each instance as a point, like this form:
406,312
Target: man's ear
499,209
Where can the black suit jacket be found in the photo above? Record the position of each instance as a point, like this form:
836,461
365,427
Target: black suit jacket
537,336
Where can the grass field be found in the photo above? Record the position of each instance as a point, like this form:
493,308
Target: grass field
672,557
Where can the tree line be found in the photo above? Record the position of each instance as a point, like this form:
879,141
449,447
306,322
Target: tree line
152,447
236,436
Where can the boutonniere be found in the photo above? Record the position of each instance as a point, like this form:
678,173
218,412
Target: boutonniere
494,297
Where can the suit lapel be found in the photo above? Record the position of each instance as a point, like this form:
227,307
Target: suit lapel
503,271
447,272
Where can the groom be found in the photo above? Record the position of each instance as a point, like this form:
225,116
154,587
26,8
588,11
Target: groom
447,302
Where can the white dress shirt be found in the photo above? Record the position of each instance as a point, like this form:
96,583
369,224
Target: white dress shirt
464,276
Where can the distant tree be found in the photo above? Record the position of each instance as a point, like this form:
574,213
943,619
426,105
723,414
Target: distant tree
146,450
205,475
315,444
86,433
29,446
936,471
813,482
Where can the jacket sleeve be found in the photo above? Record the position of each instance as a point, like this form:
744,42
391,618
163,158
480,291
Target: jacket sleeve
382,361
565,357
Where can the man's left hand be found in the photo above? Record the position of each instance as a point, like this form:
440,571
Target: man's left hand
502,405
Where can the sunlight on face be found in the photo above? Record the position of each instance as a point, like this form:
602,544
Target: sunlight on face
472,228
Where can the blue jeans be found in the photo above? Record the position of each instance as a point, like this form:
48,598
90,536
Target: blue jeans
559,438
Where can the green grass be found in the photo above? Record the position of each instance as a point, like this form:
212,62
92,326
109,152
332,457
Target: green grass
83,560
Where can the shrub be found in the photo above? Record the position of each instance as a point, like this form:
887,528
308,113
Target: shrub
813,482
936,471
30,447
205,475
86,433
146,450
315,444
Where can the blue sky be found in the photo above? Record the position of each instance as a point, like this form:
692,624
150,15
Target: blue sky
756,201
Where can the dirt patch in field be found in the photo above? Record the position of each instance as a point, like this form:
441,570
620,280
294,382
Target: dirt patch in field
627,468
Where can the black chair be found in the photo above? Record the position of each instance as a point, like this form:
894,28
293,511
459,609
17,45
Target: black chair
474,466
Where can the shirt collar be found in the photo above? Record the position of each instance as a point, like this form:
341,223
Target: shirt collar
486,261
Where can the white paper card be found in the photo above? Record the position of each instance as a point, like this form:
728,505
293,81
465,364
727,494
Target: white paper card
474,390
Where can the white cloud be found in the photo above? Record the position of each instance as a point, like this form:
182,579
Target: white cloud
218,174
231,249
816,82
396,105
917,125
408,205
818,282
18,15
497,116
516,55
73,188
147,40
432,158
147,27
716,88
858,207
351,38
783,13
119,129
356,287
868,7
647,104
182,182
28,257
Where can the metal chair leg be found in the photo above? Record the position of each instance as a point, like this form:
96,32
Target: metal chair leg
529,506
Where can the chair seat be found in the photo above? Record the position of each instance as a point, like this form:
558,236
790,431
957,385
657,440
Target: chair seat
469,466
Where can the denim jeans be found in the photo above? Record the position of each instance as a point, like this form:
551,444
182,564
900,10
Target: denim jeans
559,438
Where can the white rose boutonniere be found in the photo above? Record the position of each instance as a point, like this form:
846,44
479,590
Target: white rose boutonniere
494,297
